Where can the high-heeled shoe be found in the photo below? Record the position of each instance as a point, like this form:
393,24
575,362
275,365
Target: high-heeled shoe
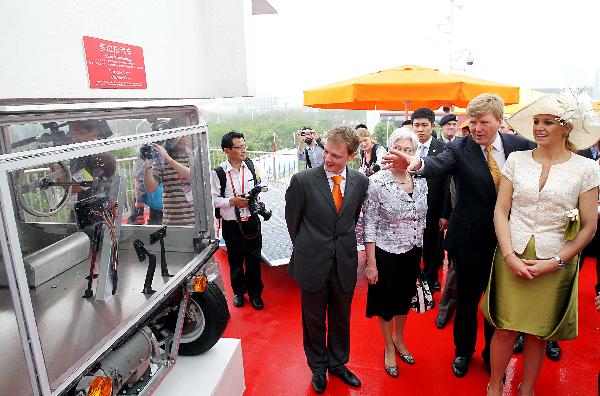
408,358
391,370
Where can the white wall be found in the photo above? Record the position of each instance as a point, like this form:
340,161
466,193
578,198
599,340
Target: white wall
192,48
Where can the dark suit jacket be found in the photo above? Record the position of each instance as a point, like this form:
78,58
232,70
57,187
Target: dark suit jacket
437,188
319,234
471,236
587,153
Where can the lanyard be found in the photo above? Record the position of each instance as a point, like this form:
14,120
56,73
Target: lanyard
231,180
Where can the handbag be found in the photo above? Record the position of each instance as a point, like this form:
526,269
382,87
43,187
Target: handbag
422,301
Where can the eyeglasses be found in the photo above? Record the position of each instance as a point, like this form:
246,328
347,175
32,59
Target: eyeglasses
241,147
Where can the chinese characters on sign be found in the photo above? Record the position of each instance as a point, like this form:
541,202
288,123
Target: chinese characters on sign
114,65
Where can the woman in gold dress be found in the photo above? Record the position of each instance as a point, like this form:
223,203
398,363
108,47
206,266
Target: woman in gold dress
533,284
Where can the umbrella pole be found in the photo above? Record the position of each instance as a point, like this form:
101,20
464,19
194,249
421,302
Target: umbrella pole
406,102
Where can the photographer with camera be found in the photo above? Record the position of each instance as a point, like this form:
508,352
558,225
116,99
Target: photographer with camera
173,171
310,148
234,188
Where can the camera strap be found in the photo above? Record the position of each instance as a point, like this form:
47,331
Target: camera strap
223,180
241,182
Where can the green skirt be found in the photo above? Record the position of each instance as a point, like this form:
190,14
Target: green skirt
545,306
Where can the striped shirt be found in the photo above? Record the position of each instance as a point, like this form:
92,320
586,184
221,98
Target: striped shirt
177,210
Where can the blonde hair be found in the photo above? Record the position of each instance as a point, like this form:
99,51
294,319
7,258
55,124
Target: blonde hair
363,133
344,135
486,104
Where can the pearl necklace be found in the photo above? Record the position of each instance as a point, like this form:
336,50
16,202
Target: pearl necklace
407,178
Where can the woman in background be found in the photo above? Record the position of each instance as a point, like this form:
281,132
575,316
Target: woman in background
370,153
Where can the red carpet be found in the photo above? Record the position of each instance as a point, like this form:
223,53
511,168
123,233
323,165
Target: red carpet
275,364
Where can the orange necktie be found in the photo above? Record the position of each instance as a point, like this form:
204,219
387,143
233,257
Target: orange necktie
337,192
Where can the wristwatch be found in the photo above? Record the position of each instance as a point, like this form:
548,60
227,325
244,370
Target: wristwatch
561,263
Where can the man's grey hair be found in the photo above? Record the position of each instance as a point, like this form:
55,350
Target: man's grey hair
403,133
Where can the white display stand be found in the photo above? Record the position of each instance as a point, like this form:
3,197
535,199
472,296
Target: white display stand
220,371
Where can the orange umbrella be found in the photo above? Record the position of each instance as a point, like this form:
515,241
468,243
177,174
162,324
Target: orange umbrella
597,106
527,96
405,88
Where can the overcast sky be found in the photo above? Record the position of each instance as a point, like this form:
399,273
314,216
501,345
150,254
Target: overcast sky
316,42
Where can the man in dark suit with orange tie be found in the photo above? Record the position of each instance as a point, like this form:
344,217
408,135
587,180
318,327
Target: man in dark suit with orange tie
321,211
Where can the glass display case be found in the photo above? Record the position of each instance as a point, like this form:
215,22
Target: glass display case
109,238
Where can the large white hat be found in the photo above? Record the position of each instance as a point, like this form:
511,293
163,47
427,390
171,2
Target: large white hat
573,106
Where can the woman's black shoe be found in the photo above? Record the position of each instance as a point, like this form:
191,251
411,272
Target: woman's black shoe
553,351
518,347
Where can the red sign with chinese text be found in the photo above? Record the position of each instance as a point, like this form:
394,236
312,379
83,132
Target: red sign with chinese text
114,65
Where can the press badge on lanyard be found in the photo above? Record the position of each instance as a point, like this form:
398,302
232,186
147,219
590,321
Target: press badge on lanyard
244,213
187,190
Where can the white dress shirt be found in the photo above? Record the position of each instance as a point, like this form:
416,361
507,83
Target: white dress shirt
330,180
426,144
228,211
498,151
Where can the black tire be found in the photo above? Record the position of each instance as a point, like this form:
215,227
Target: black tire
205,321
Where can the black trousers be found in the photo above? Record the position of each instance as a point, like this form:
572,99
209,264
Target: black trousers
471,282
433,254
326,346
242,251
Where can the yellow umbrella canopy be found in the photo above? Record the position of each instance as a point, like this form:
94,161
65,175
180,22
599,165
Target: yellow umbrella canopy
527,96
597,106
405,88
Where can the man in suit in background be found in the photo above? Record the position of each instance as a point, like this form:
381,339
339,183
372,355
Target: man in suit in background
423,120
475,162
322,205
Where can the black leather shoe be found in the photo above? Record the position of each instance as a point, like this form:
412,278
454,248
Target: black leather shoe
553,351
238,300
346,376
319,382
257,303
518,347
440,323
460,366
437,286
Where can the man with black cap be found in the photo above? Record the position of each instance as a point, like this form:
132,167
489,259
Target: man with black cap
449,124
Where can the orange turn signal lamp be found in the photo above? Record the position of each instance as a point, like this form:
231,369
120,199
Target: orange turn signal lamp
100,386
200,283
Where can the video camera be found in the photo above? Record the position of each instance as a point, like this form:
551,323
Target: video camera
254,205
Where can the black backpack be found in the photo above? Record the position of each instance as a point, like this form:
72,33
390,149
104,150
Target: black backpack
223,181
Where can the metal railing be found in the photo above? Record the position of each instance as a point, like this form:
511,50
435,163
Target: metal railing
280,165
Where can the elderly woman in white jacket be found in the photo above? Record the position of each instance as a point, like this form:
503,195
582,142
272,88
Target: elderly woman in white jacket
394,220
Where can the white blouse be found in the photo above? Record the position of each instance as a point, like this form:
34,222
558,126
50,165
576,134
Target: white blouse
543,213
392,219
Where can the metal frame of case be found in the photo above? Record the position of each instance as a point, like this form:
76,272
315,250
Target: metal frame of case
10,245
